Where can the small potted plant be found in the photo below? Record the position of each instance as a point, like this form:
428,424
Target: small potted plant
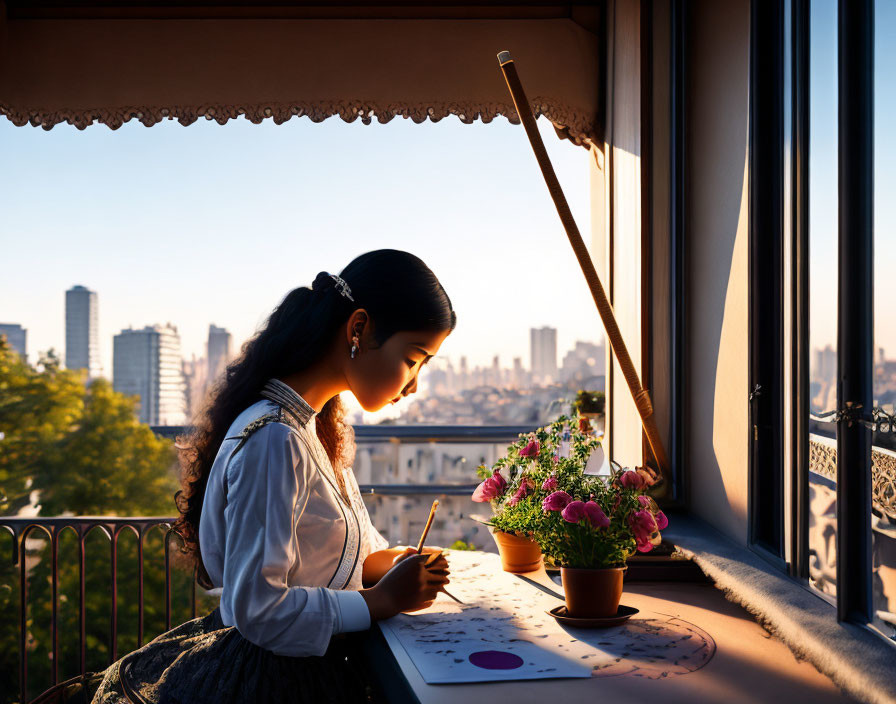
591,526
589,406
517,483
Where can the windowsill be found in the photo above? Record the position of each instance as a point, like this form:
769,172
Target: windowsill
859,661
742,663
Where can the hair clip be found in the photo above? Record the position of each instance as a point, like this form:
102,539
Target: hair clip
342,286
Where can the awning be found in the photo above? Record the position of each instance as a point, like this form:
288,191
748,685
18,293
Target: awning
110,62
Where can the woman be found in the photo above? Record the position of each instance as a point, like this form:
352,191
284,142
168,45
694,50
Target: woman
271,510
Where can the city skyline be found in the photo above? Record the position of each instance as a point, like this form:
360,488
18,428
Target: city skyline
275,205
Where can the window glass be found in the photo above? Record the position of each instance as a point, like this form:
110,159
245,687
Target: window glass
823,294
883,498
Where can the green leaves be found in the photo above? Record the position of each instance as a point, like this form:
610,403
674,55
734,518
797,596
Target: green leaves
565,543
526,517
71,447
75,447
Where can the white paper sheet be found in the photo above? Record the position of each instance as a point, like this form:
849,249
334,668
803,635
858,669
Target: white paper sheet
500,613
504,613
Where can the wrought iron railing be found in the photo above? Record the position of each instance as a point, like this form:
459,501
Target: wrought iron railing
21,530
47,532
823,462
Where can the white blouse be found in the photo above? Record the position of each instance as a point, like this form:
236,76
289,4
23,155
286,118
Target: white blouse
277,535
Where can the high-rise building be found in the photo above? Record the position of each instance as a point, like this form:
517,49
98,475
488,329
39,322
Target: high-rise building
585,361
518,376
543,352
825,365
17,337
82,344
218,353
196,378
147,363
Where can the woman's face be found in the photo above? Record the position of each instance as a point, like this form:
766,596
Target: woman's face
379,376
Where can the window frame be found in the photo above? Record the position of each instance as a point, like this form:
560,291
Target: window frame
766,282
855,295
855,304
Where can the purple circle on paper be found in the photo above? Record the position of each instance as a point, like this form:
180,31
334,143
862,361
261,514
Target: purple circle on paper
495,660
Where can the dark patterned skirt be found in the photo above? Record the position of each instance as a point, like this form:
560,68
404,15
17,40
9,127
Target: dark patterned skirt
203,661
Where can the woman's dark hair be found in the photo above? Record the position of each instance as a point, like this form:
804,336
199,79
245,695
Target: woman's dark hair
398,291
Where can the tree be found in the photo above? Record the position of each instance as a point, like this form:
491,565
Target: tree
37,409
108,463
69,447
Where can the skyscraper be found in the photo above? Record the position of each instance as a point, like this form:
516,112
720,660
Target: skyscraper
219,352
82,346
16,336
147,363
543,351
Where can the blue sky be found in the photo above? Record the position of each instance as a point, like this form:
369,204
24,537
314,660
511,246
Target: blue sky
823,174
214,224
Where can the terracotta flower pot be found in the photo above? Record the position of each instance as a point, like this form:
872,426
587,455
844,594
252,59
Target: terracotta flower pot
596,421
592,592
517,554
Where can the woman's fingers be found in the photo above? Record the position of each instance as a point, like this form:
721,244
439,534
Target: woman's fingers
408,552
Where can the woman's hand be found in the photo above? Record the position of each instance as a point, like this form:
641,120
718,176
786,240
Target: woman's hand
379,562
409,585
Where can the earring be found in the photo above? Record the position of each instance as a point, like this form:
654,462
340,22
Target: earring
354,344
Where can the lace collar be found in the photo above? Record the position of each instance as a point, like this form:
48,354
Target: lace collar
284,395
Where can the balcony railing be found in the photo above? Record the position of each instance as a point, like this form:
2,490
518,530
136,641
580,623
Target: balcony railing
823,462
33,536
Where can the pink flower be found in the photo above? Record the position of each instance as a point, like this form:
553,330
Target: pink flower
643,527
661,521
556,458
595,514
550,483
644,501
574,511
556,501
491,488
524,487
531,450
632,480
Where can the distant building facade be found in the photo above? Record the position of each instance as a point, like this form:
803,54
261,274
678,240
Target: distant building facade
82,344
17,337
196,379
543,353
219,351
584,362
147,363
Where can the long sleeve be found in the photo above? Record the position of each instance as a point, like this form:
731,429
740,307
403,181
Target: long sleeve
266,494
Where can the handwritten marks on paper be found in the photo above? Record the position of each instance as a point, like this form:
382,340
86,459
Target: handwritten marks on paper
502,632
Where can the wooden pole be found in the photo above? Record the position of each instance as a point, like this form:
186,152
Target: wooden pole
639,394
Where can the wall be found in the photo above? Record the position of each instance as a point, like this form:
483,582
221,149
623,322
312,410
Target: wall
716,424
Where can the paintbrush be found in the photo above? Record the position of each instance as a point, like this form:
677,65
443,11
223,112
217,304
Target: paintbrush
432,513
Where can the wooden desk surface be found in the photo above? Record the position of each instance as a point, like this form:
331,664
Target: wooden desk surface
749,665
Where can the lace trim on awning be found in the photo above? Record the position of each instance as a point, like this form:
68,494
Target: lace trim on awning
575,125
